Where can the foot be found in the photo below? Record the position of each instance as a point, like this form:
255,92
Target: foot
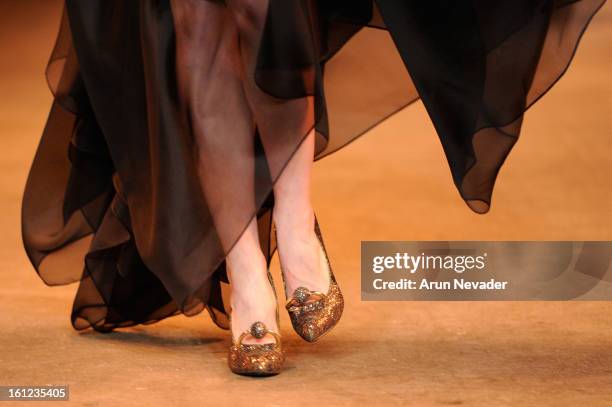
252,297
302,258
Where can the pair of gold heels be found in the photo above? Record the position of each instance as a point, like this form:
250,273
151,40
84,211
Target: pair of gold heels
312,315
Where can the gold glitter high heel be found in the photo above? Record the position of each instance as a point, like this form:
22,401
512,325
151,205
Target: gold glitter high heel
314,313
257,359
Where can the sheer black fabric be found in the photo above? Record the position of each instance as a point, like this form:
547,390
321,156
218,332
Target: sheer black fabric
173,119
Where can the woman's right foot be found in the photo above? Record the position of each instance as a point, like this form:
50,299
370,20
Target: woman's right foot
256,346
256,359
253,298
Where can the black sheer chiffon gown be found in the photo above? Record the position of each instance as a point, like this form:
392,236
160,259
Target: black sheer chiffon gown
121,198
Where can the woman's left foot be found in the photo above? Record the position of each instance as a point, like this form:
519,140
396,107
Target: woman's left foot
315,302
303,262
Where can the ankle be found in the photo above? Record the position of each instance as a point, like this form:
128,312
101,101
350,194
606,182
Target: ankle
245,257
255,292
294,222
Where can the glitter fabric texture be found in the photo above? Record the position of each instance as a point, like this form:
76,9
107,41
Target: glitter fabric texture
253,359
312,313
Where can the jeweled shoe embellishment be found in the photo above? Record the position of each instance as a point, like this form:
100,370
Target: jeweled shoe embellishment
300,302
256,359
258,330
301,294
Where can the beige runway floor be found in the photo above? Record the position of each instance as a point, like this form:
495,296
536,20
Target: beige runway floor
392,184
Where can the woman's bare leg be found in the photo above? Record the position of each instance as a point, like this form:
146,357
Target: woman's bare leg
299,248
282,125
208,69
